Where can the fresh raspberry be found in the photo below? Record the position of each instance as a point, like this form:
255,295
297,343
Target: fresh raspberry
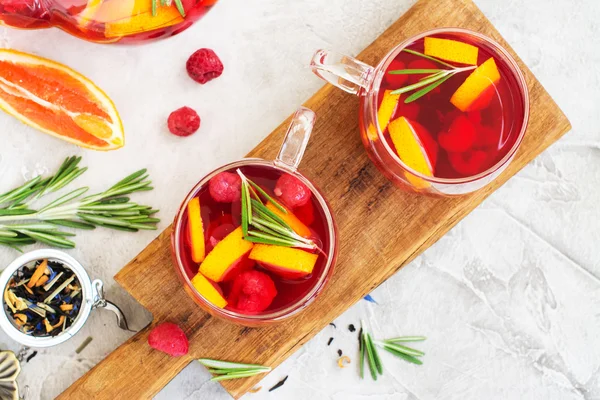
225,187
183,122
252,292
169,338
204,65
460,137
292,191
410,110
306,213
395,81
468,163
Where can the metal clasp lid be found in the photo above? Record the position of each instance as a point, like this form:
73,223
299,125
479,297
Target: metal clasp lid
99,301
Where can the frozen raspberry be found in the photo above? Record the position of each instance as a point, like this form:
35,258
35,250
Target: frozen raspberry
183,122
204,65
460,136
410,110
169,338
396,81
225,187
252,292
292,191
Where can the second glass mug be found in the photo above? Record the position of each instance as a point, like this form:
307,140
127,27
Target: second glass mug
356,77
287,161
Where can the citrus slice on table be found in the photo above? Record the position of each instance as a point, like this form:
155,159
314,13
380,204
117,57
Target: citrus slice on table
484,77
56,100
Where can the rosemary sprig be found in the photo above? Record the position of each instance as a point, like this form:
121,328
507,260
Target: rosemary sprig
225,370
21,224
368,351
167,3
431,81
261,225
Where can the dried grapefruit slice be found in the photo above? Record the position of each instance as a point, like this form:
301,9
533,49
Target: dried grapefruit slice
58,101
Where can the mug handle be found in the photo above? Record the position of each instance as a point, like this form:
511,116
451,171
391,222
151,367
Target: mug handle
296,139
347,73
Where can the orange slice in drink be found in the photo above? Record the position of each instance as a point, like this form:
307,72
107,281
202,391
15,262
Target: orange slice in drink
196,230
128,17
476,84
209,290
451,50
285,261
415,147
56,100
297,226
227,256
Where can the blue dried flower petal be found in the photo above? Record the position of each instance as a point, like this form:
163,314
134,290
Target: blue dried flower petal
370,299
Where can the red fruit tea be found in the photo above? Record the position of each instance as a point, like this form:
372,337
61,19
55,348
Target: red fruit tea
105,21
460,128
220,220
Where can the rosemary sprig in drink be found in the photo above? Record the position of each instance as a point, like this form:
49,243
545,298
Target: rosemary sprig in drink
434,78
167,3
21,224
261,225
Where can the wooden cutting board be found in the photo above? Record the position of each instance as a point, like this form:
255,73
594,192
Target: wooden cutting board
381,229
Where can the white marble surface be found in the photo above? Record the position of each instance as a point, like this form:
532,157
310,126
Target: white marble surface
509,299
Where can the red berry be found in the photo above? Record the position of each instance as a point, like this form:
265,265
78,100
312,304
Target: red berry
410,110
468,163
169,338
292,191
395,81
204,65
252,292
184,121
306,213
225,187
460,136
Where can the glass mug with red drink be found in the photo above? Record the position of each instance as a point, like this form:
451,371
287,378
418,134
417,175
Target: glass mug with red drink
106,21
442,113
255,242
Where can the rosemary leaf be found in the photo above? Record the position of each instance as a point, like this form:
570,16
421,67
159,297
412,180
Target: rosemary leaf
218,364
180,8
405,339
406,357
267,197
416,53
237,375
378,364
403,349
370,357
424,91
72,224
418,85
414,71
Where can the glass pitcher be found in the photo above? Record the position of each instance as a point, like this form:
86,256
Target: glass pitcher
106,21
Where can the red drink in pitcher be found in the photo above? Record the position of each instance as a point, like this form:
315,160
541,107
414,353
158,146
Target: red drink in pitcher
106,21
